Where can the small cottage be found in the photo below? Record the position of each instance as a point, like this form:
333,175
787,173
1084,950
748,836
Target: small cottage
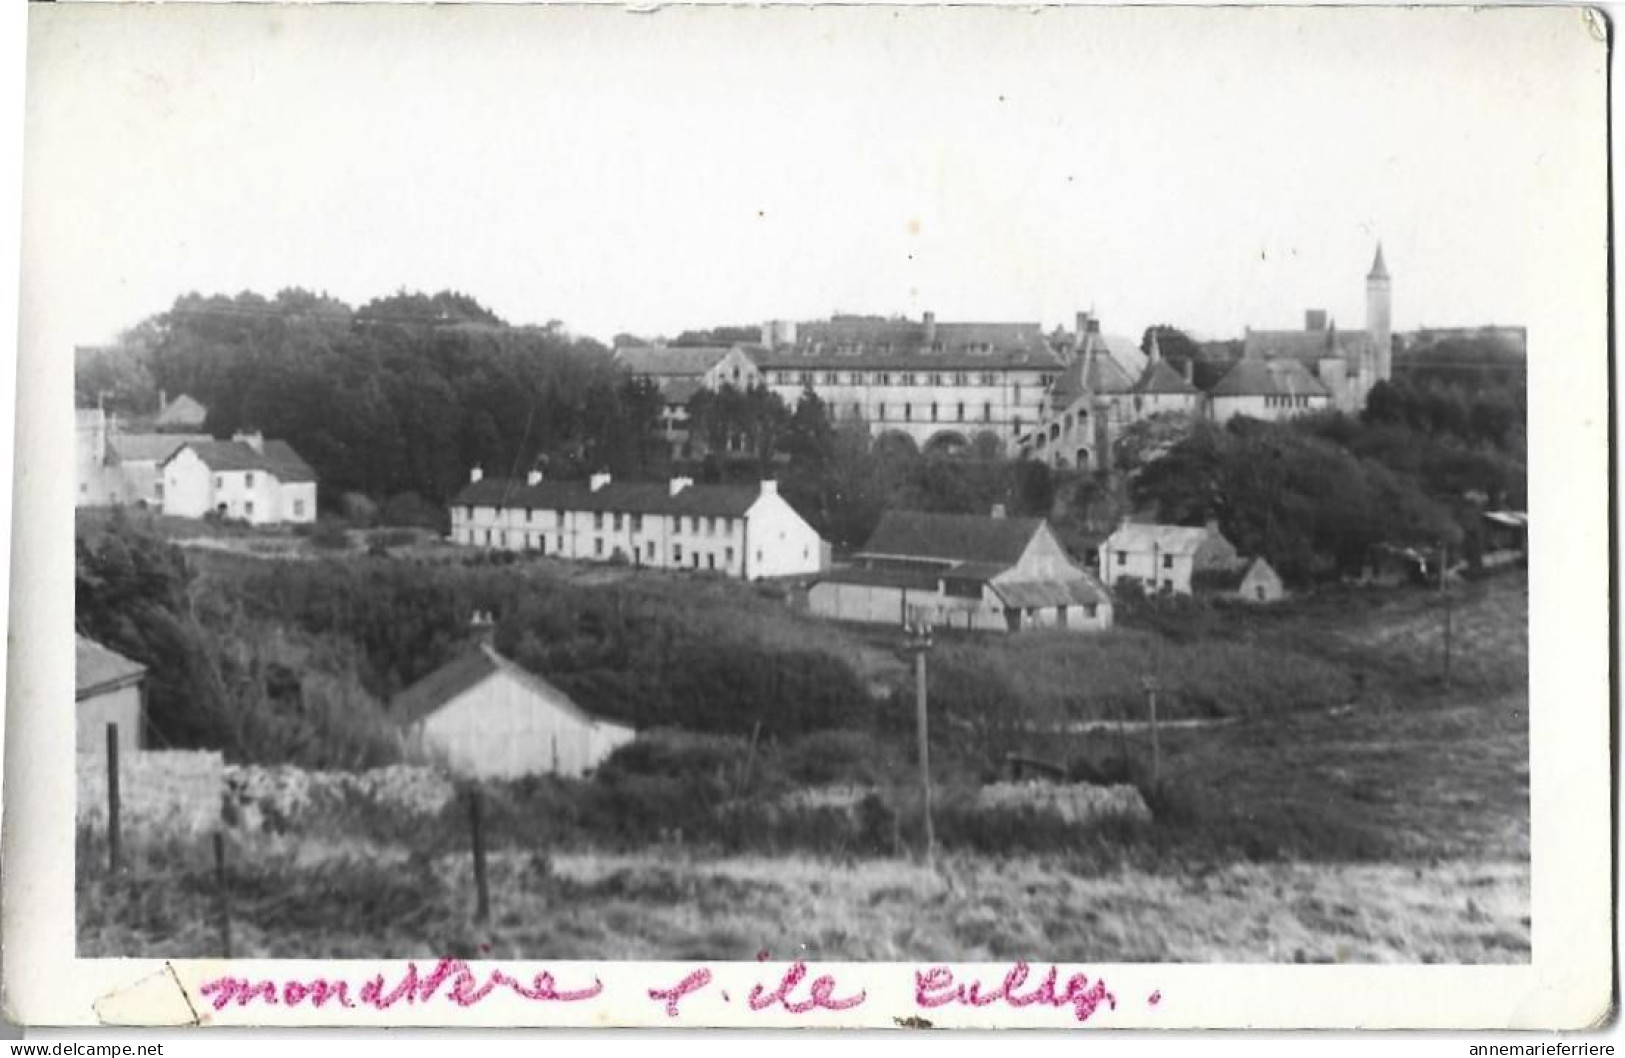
108,689
483,716
1165,557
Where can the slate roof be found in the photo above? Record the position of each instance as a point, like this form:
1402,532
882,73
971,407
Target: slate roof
1166,539
97,670
663,360
885,577
1098,370
1160,377
952,537
1308,347
434,691
278,458
634,497
1268,378
150,447
679,390
872,342
183,411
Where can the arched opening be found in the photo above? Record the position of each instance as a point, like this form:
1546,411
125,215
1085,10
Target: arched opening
946,443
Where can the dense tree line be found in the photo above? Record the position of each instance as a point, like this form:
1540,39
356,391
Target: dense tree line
396,398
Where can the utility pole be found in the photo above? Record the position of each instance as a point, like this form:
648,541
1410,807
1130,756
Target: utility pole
1150,684
918,643
1444,564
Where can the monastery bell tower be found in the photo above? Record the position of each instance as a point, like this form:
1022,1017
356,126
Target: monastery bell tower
1379,317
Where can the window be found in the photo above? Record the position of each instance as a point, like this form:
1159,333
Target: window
597,519
1015,425
961,379
598,545
694,560
219,481
933,411
1090,608
249,477
1167,562
908,378
908,413
805,378
1017,391
728,557
857,411
856,378
559,541
880,411
987,412
637,523
298,505
488,536
248,508
711,561
961,412
885,378
1122,558
936,379
541,543
677,554
649,549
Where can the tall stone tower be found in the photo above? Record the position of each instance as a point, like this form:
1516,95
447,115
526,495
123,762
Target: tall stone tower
1379,306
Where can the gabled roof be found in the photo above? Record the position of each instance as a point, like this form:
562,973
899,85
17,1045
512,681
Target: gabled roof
664,361
634,497
1166,539
873,342
1268,378
1160,377
183,411
952,537
278,458
281,460
1096,369
679,390
150,447
1307,347
97,670
434,691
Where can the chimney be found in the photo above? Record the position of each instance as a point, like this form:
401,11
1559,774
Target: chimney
930,328
997,511
1083,325
475,473
163,401
598,480
534,477
1314,319
770,487
1094,325
1155,353
1189,370
254,440
679,484
768,333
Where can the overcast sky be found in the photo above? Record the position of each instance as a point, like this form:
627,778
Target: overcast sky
655,172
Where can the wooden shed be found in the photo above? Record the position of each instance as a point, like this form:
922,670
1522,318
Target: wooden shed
483,716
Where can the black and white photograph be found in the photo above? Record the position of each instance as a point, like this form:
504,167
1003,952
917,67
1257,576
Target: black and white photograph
819,486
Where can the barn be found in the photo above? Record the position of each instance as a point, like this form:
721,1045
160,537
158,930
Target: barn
484,717
107,690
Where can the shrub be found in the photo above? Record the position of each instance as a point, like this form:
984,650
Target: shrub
836,756
331,534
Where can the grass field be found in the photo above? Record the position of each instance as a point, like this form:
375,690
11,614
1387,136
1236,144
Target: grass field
1392,828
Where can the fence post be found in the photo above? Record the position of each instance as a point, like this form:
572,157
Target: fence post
476,823
112,799
1156,748
222,893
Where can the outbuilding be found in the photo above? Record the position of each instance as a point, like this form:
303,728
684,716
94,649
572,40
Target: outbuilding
109,688
482,716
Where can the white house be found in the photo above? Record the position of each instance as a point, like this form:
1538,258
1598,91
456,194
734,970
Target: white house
108,689
744,531
261,482
182,413
682,371
964,571
1164,557
137,460
482,716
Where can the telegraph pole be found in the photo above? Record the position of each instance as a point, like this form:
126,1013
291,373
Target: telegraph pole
1444,564
918,643
1150,683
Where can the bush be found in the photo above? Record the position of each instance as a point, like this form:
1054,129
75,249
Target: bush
836,756
330,534
412,510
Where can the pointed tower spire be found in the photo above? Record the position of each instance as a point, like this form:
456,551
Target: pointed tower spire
1379,267
1154,354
